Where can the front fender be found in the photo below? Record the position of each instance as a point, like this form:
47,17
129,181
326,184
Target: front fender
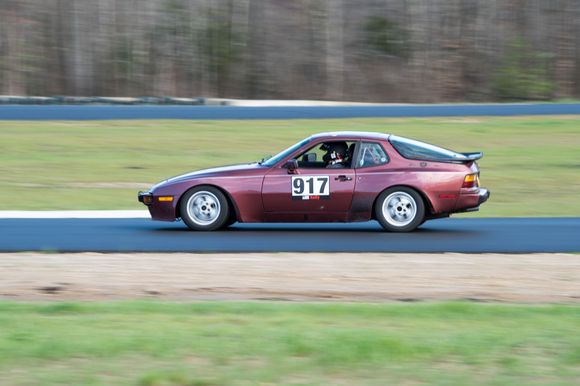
243,192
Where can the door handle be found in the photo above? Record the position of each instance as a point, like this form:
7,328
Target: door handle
343,178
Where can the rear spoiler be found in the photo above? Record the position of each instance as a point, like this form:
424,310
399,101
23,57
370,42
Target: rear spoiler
464,159
472,156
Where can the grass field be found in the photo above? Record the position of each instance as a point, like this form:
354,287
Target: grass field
531,164
153,343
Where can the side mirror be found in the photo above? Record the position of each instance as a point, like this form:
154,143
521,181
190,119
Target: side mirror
292,165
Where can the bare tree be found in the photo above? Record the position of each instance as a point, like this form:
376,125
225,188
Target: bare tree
373,50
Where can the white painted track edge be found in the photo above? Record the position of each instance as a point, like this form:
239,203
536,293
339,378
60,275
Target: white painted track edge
12,214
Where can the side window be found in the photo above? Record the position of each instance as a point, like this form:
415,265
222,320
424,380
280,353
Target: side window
371,154
328,155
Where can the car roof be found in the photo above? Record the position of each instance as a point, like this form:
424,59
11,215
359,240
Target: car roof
351,135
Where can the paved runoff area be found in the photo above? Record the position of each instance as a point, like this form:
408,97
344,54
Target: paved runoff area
104,112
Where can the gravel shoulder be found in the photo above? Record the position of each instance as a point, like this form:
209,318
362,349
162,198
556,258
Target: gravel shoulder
369,277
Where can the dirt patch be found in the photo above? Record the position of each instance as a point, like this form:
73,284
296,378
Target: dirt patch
291,276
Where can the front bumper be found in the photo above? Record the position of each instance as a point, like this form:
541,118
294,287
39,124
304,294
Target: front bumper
145,197
161,208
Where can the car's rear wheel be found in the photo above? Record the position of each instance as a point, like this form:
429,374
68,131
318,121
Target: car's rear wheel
204,208
400,209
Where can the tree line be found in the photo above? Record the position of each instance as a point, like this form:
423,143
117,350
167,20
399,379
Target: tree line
363,50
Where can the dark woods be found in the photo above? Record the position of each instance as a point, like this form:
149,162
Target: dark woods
366,50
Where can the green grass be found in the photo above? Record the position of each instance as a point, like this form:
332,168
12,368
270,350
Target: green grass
531,164
155,343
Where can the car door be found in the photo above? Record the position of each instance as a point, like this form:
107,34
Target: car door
373,174
316,191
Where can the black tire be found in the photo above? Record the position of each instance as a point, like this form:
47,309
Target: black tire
232,219
405,217
204,208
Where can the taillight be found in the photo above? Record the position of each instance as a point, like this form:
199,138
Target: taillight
470,181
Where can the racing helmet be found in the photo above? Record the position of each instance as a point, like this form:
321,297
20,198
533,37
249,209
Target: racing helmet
336,152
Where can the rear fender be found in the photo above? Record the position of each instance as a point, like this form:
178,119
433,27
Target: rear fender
428,205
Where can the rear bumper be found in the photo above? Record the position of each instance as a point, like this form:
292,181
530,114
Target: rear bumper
483,195
470,202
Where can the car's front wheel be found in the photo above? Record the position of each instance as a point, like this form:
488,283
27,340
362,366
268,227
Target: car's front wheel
204,208
400,209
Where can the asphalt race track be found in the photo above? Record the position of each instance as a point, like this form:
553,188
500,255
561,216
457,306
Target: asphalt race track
101,112
505,235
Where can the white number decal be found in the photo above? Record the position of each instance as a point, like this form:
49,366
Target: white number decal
310,187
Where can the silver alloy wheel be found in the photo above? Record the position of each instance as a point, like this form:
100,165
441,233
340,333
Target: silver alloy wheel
203,208
399,209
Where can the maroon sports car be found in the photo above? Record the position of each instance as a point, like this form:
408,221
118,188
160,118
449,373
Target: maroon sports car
328,177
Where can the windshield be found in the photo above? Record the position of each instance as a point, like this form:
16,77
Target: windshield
283,154
412,149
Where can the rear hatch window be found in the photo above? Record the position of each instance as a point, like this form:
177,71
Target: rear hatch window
416,150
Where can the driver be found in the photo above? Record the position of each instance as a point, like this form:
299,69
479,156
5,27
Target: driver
336,154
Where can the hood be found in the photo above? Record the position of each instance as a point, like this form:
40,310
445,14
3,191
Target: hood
212,172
